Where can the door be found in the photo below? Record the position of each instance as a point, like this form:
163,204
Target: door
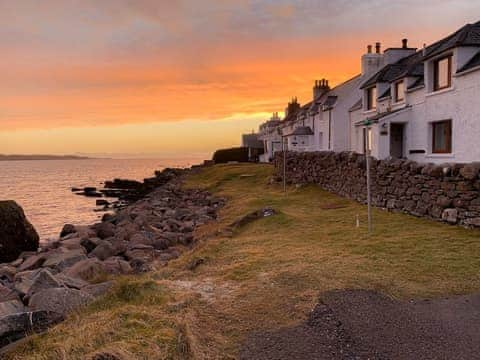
396,140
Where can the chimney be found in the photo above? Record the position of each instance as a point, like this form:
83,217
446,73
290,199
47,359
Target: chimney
377,48
320,88
372,62
292,107
392,55
424,50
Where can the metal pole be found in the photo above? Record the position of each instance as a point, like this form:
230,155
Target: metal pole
284,166
369,195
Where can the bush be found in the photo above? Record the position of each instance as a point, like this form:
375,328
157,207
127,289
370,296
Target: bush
239,154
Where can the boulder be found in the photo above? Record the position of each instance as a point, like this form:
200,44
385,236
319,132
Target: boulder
117,266
41,281
62,259
89,243
67,230
104,250
87,270
33,262
59,300
470,171
73,283
144,238
104,230
7,294
16,232
17,326
11,307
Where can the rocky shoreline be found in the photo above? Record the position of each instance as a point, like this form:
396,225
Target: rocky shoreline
39,288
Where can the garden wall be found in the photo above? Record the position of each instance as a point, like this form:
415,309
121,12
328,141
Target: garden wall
448,192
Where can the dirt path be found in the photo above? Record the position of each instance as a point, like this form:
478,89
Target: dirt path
358,324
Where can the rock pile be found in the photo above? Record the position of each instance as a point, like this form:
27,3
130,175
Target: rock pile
65,274
447,192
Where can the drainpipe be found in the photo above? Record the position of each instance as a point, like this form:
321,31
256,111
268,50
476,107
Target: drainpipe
330,129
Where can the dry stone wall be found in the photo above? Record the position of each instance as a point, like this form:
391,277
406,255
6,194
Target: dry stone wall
448,192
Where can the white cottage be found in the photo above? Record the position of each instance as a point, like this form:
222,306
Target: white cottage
423,105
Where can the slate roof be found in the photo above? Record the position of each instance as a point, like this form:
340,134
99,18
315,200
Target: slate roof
357,106
474,62
412,65
386,93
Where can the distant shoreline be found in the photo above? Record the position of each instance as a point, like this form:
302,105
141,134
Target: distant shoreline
42,157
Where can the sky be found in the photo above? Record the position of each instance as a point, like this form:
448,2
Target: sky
157,77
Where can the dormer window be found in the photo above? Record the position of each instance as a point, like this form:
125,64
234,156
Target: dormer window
442,73
372,98
399,91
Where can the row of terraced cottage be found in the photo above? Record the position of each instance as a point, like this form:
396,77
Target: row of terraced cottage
422,105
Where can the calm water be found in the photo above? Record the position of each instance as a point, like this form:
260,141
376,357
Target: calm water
43,188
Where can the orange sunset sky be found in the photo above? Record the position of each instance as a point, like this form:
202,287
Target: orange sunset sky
154,77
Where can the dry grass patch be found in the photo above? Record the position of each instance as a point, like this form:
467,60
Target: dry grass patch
268,275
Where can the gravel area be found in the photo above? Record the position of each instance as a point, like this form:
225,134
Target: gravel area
360,324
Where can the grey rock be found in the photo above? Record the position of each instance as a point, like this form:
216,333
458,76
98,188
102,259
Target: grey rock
62,259
41,281
11,307
7,294
73,283
104,250
117,266
87,270
104,230
59,300
17,326
33,262
67,230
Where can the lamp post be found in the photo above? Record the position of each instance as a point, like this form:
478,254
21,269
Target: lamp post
367,124
284,165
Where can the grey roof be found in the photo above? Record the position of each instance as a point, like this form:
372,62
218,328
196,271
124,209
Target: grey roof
412,65
302,130
357,106
330,101
419,82
386,93
474,62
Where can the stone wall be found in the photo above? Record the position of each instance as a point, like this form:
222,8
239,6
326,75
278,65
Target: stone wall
448,192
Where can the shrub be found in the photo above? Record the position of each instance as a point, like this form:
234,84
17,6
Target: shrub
239,154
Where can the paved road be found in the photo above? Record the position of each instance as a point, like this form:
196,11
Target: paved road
359,324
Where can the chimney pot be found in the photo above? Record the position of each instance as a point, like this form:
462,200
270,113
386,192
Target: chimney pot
377,47
369,49
405,43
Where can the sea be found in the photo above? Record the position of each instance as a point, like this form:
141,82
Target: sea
43,187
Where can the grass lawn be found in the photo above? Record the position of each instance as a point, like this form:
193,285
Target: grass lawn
267,275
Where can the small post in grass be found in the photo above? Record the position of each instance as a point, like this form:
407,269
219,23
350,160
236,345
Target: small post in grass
367,124
284,166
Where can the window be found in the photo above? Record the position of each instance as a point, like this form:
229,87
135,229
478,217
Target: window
442,137
399,91
372,98
320,140
442,73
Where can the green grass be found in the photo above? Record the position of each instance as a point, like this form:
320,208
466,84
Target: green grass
267,275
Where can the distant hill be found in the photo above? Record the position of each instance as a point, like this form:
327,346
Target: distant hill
41,157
